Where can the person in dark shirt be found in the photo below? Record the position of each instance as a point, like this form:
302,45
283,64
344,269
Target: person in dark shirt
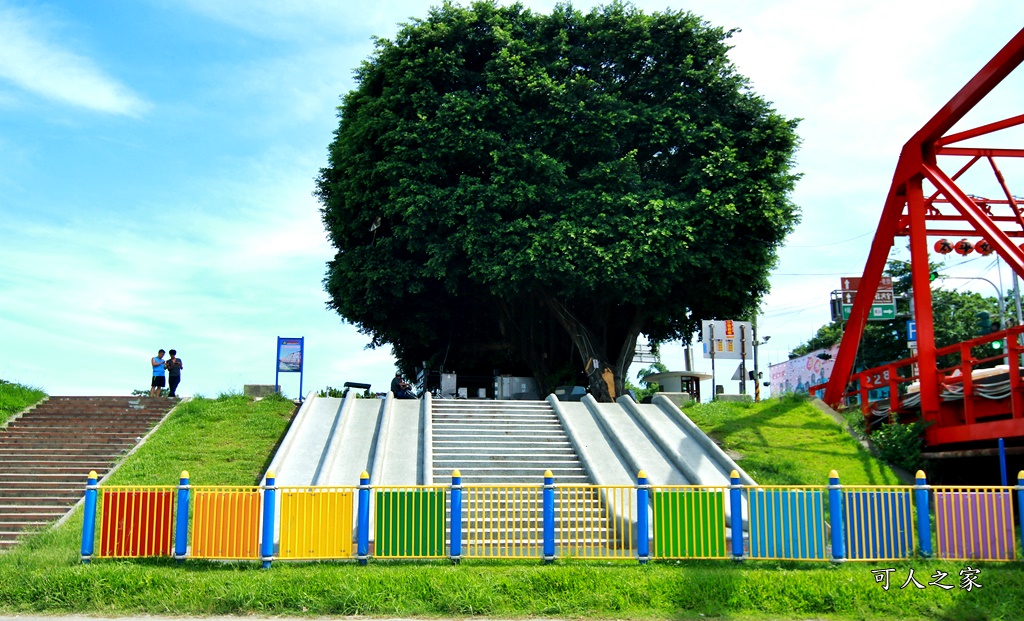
401,388
174,367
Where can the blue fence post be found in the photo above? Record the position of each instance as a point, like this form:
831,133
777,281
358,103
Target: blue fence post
835,506
924,525
181,529
736,514
1002,463
269,511
1020,503
549,517
456,517
363,523
89,525
643,542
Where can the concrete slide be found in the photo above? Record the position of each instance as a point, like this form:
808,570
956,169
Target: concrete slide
617,440
332,441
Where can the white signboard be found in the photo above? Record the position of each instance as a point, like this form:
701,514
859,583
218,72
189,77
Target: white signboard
727,338
798,374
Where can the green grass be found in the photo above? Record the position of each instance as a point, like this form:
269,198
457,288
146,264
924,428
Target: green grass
45,576
223,441
15,398
229,440
788,441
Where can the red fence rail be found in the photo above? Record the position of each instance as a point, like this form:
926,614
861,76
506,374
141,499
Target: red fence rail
980,390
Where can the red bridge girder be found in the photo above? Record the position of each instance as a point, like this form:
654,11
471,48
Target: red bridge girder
947,211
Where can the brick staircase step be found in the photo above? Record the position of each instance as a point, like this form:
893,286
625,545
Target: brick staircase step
47,452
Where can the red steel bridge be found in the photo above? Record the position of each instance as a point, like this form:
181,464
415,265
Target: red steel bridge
969,392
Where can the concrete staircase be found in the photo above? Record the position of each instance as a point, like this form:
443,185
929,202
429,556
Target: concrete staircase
510,442
47,453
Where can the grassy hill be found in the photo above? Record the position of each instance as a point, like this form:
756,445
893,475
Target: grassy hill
229,441
789,441
15,398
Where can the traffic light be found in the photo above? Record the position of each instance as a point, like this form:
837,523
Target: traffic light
998,344
932,276
984,323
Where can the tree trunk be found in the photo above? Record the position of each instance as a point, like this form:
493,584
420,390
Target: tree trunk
605,378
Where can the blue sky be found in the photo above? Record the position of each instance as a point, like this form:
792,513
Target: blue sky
157,160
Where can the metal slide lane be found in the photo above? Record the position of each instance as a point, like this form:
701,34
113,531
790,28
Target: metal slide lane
617,440
332,441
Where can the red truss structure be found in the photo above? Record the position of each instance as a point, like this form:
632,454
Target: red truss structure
947,211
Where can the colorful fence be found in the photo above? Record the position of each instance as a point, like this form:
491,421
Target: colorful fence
316,523
641,522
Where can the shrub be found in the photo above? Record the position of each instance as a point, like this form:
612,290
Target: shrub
900,444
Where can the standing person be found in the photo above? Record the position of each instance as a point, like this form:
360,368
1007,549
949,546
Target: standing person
158,374
173,366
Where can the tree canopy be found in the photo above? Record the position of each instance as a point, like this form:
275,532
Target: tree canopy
527,192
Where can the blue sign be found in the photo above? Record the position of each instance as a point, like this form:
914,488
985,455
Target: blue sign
289,359
289,355
911,330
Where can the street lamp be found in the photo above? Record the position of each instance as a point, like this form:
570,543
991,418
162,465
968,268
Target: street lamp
999,294
999,298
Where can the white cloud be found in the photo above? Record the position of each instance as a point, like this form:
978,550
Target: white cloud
31,60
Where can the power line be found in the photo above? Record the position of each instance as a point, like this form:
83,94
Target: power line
818,274
832,243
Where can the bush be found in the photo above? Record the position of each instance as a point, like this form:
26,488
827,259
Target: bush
900,444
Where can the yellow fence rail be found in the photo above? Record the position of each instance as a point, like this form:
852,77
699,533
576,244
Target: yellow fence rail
316,523
595,521
502,521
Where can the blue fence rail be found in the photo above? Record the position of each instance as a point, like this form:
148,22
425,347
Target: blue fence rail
548,521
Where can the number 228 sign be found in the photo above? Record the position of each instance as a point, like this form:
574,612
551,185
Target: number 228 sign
877,380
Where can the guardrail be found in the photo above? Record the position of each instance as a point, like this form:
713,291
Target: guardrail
548,521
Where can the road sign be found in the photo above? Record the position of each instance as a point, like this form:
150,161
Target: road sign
852,283
911,331
883,307
878,312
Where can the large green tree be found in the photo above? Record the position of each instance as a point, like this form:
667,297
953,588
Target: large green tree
529,192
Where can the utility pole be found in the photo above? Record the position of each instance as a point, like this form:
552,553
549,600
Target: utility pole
757,374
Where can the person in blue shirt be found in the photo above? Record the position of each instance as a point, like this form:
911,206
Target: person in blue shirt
158,374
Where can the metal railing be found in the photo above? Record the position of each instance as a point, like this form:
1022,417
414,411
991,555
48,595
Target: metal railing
549,521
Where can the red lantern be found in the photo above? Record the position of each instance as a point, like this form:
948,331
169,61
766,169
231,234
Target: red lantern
943,246
983,247
964,247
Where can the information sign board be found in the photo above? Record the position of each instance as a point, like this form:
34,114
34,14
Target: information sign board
727,339
883,307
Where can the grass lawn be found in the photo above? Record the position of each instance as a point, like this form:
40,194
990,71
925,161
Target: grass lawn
15,398
230,440
788,441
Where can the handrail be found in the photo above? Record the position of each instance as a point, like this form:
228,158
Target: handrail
888,375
